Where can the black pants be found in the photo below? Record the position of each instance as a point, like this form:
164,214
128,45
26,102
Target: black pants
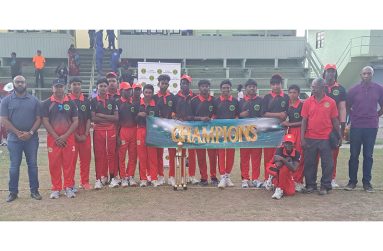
39,78
315,146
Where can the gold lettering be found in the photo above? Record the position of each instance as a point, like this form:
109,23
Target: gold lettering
176,134
207,136
231,134
253,130
196,135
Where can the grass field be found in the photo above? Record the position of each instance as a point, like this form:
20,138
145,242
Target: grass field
197,203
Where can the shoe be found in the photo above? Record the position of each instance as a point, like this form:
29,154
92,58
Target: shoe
229,183
11,197
155,183
278,194
299,187
309,190
114,183
55,195
74,189
257,183
85,186
69,193
98,185
104,180
323,191
171,181
333,184
245,184
143,183
125,182
368,188
149,178
222,182
193,180
350,186
132,182
36,195
268,184
161,180
203,183
214,181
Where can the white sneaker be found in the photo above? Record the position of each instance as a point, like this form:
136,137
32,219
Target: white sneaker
299,187
245,184
114,183
257,183
143,183
229,183
278,194
171,181
125,182
268,184
104,180
55,195
70,193
98,185
161,180
149,178
155,183
222,182
333,184
193,180
132,182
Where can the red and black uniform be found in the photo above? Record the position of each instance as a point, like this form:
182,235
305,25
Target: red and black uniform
284,178
294,114
166,104
226,108
254,106
127,113
116,96
338,94
60,114
104,138
82,148
147,155
273,103
202,107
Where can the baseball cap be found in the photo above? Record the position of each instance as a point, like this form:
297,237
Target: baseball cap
187,77
111,75
289,138
136,85
8,87
330,66
125,86
58,82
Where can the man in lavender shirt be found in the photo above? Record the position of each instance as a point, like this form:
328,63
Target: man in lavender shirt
362,104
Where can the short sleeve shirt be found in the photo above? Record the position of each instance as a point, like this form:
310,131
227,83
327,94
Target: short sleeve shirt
127,112
39,62
226,108
83,109
105,106
150,110
294,156
202,107
336,92
183,105
166,104
253,105
275,102
294,111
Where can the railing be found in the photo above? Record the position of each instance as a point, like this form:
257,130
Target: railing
91,81
314,62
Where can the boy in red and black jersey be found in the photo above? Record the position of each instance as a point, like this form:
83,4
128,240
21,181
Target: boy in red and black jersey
104,114
166,103
127,139
147,155
112,90
274,105
203,110
225,107
250,107
137,91
82,138
60,120
293,126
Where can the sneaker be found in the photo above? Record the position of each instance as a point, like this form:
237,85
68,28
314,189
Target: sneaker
171,181
257,183
55,195
85,186
70,193
268,184
222,182
161,180
193,180
368,188
278,194
203,183
132,182
114,183
143,183
149,178
299,187
104,180
74,189
334,184
214,181
350,186
36,195
125,182
155,183
98,185
245,184
229,183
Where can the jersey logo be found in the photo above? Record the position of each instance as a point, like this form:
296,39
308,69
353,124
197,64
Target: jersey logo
327,104
132,109
283,103
335,92
151,113
210,108
231,107
50,149
109,106
66,107
296,115
83,108
138,142
170,103
257,107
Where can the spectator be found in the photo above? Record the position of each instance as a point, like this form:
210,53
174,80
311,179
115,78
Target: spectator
115,60
99,60
15,66
98,39
39,64
73,61
111,38
62,72
91,34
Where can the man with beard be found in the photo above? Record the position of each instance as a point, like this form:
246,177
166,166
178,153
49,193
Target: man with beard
20,114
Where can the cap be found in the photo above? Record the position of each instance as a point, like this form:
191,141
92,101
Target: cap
58,82
111,75
187,77
136,85
8,87
289,138
125,86
330,66
75,79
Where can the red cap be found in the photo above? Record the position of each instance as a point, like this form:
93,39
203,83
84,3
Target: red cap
330,66
136,85
289,138
125,86
111,75
187,77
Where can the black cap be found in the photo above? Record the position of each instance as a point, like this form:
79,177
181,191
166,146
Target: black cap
58,82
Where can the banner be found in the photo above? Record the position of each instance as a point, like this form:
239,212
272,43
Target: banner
218,133
148,73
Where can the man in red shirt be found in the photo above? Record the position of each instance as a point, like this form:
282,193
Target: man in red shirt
320,117
82,138
60,119
104,113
